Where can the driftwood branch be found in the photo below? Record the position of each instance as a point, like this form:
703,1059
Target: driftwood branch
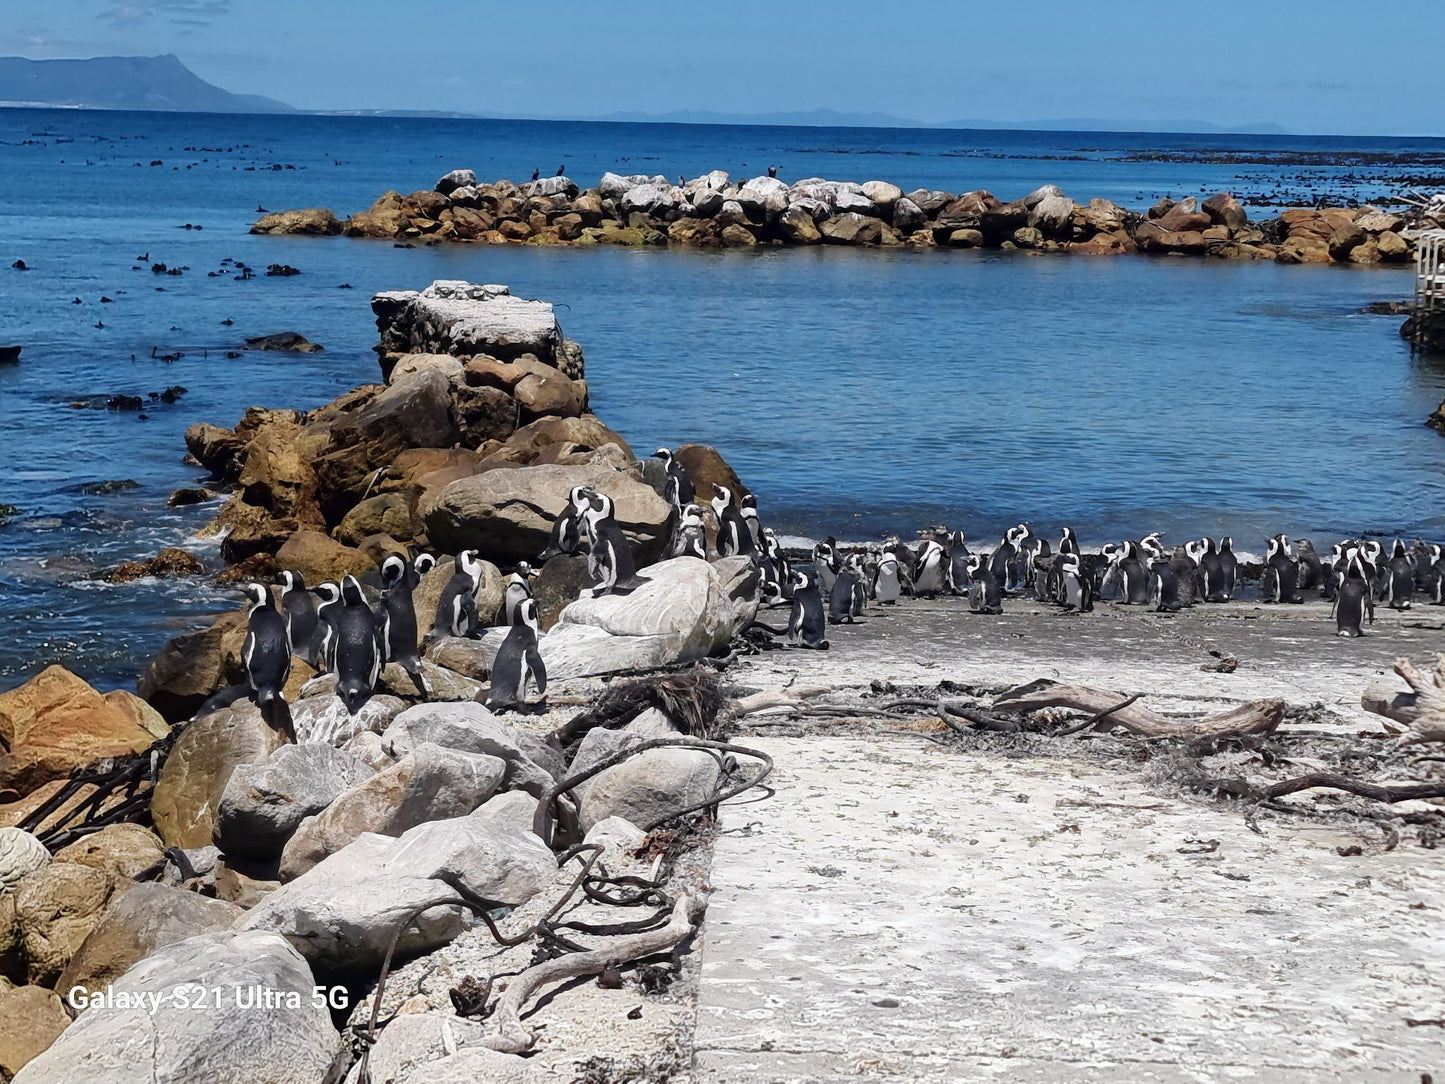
515,1038
773,698
1422,710
1113,709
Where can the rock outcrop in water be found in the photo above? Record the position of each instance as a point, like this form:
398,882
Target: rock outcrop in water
715,211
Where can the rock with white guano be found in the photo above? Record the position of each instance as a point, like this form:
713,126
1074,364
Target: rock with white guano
466,318
324,718
457,178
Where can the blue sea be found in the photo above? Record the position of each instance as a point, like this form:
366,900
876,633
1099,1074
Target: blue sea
858,392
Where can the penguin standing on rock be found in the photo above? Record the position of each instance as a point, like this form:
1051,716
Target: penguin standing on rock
519,664
457,607
609,556
984,596
399,579
567,527
689,536
734,539
324,644
518,590
359,647
266,653
748,509
678,490
300,610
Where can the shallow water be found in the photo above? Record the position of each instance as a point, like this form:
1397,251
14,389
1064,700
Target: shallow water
857,392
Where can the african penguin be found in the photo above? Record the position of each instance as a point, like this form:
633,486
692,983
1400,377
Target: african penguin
678,490
324,645
518,590
457,607
748,509
398,578
984,596
928,578
1075,585
1278,579
1230,566
266,653
567,527
887,586
1211,572
825,564
300,610
734,538
689,536
1401,589
958,556
841,599
1133,575
1354,601
1163,587
519,664
1311,568
807,624
609,554
358,647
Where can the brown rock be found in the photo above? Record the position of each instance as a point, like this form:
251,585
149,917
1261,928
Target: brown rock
428,594
243,885
851,228
319,557
193,666
57,907
585,431
124,851
168,564
384,218
56,723
965,239
12,951
1225,210
13,812
1392,247
34,1018
138,921
312,220
411,466
216,449
1366,253
1344,239
251,530
561,580
276,471
737,236
185,799
543,396
492,373
698,232
1184,217
706,467
1304,248
386,513
1104,216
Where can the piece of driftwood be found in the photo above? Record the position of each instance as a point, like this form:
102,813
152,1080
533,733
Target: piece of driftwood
1421,711
1114,709
514,1037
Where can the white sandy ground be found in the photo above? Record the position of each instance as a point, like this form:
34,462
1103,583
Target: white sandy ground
900,911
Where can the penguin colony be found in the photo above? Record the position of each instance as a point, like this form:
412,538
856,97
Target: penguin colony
337,629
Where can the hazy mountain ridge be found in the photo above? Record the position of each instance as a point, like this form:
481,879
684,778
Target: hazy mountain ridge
123,82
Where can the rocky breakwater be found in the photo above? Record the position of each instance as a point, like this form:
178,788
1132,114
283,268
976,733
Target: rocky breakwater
714,210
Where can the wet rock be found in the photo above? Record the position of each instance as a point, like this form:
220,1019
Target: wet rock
427,783
312,220
137,922
56,907
263,803
124,851
184,803
343,913
289,1040
34,1018
289,342
187,496
216,449
168,564
56,723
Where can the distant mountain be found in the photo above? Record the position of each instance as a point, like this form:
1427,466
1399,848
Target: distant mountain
122,82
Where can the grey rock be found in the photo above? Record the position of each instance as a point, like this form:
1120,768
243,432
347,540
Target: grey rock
325,719
908,216
512,809
465,318
263,804
457,178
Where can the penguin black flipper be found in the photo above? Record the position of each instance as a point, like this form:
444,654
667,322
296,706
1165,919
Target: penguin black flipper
536,670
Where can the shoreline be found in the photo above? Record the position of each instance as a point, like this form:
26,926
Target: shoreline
714,211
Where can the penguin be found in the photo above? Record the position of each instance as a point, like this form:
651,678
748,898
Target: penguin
1163,587
841,599
689,534
457,607
678,489
1003,557
1053,587
860,585
807,624
1277,582
1133,575
984,596
907,556
1433,580
1400,589
734,539
1311,568
1424,558
1106,572
399,579
825,564
1329,577
868,569
929,577
518,664
748,509
266,653
1211,572
517,591
300,610
774,555
1151,547
359,647
609,554
1229,564
1029,547
1186,572
887,586
1354,600
567,527
421,564
323,647
958,556
1076,588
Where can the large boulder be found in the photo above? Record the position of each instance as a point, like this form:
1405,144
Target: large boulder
1224,210
310,220
343,913
21,854
319,557
324,717
458,178
508,514
265,802
471,727
192,667
56,907
427,783
679,614
56,723
137,922
284,1036
34,1018
1051,215
463,319
647,788
796,225
185,799
123,850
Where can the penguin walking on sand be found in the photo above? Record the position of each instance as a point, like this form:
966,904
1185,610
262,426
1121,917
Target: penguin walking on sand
1333,565
519,664
734,539
689,534
842,599
678,489
1229,564
567,527
399,580
1133,575
323,648
1106,573
984,596
1075,585
359,647
1185,564
1163,587
1211,572
457,607
958,556
807,623
825,564
1354,598
1278,580
887,585
1401,582
609,554
300,610
928,579
517,591
266,653
1004,558
1053,586
1432,575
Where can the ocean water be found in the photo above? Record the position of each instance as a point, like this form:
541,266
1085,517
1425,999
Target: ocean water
857,392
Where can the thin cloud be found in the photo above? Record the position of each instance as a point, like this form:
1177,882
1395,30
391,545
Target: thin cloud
186,13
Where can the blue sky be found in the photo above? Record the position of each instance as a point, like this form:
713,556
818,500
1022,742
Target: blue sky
1330,66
